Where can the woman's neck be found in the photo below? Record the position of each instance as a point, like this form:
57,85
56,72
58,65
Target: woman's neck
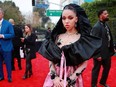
71,32
29,33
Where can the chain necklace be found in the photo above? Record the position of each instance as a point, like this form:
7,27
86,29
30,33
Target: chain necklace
70,34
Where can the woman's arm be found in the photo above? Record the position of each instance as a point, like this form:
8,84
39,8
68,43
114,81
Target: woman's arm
52,68
71,80
56,80
79,70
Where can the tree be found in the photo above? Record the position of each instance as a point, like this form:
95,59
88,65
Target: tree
11,11
92,9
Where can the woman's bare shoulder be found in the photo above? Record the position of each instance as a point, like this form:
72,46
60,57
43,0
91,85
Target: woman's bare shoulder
61,35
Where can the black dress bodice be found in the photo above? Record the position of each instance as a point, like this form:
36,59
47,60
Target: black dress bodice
75,53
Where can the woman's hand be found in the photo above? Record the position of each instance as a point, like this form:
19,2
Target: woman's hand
58,82
99,58
1,36
22,39
63,83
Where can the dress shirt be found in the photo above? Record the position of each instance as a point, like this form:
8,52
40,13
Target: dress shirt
1,24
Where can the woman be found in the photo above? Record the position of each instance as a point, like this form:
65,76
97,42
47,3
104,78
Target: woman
69,48
29,49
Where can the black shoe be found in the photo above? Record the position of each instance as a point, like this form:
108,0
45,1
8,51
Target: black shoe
1,79
104,85
25,76
30,74
9,80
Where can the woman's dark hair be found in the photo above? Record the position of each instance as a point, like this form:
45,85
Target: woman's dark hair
70,8
83,24
100,12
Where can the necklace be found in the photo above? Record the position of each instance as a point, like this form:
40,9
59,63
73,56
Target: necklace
70,34
67,38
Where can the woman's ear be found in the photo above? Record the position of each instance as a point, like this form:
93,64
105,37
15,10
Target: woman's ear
76,19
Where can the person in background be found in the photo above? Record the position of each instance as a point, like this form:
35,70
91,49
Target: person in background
69,48
17,44
29,42
48,33
6,46
102,30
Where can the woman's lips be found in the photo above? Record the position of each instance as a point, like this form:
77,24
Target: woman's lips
67,25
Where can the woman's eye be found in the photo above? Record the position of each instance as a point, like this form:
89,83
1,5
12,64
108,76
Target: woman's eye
63,18
70,17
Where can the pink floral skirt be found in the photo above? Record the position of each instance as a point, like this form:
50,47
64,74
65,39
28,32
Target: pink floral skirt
49,83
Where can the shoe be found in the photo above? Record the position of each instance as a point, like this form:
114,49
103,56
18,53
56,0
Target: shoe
9,80
104,85
30,74
1,79
25,76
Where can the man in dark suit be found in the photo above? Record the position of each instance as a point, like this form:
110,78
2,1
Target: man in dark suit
17,44
102,30
6,46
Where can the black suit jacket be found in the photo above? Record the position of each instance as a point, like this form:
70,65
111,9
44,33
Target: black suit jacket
18,34
99,31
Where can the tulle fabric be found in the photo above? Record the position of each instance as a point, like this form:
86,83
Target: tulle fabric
49,83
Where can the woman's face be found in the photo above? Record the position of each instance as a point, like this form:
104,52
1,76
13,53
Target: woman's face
69,19
27,29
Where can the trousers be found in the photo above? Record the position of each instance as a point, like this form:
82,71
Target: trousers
6,57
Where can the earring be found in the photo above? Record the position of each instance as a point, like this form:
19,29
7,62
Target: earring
75,24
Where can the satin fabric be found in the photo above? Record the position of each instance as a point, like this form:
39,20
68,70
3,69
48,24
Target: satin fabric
76,53
49,82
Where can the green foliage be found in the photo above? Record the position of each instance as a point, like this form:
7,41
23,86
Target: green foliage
11,11
92,9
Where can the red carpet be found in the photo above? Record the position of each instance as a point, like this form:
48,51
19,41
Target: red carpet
111,79
40,70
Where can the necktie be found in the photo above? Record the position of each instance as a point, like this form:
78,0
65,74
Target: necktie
108,34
